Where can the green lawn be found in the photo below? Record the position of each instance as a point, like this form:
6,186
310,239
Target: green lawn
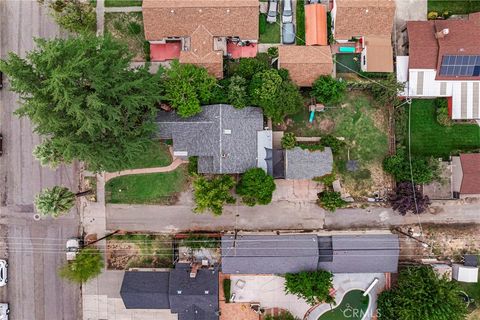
123,3
269,32
156,155
128,27
429,138
454,6
353,306
300,23
152,188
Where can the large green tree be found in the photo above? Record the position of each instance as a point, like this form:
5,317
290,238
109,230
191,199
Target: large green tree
74,15
422,294
328,90
313,286
256,187
213,194
84,97
87,265
237,92
187,87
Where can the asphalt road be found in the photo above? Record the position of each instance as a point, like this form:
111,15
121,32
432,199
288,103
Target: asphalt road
35,248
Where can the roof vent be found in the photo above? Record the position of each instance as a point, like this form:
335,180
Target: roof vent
207,292
442,33
227,131
172,11
179,291
228,10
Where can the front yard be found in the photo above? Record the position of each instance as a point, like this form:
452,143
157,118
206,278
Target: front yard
363,127
430,139
139,251
269,32
129,28
151,188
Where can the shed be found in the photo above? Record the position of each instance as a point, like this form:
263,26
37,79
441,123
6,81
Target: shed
465,274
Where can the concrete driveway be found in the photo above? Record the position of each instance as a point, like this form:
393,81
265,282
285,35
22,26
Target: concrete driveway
296,190
102,300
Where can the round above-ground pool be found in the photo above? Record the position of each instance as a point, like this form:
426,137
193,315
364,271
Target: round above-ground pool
353,306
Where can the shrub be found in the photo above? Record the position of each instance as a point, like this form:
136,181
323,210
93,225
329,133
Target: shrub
332,142
328,90
327,179
192,165
331,200
134,28
213,194
443,118
405,200
227,283
289,141
313,287
273,52
256,187
312,146
432,15
87,265
424,170
284,74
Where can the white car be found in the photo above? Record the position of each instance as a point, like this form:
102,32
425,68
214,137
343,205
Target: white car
287,12
3,272
4,311
272,11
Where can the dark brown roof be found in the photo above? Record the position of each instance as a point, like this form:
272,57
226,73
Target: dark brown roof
426,52
364,18
471,173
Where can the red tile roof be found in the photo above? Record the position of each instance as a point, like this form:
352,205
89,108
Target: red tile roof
471,173
316,25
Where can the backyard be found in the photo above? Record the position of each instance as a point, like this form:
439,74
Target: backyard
129,28
139,251
353,306
363,127
454,7
430,139
269,32
151,188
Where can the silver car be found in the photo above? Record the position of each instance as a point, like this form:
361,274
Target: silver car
288,33
287,12
272,11
3,272
4,311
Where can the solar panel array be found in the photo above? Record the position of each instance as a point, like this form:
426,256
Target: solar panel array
465,66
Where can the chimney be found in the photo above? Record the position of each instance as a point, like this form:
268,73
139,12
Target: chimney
442,33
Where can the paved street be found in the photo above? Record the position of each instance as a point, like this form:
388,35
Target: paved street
35,249
278,216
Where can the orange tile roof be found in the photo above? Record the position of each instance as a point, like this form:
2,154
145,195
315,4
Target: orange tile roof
315,25
363,18
180,18
305,63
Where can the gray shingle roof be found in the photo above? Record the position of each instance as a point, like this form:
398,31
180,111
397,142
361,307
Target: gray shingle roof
145,290
194,298
260,254
294,253
204,135
363,254
305,164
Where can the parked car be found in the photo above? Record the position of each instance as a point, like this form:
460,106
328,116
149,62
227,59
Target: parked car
73,247
287,12
313,1
4,311
3,272
272,11
288,36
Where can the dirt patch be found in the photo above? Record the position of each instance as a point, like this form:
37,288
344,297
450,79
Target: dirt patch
326,125
139,251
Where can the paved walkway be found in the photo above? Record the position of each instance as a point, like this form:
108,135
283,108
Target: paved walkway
123,9
100,10
174,165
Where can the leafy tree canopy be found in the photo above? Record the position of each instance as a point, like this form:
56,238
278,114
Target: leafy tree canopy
87,265
314,286
237,92
55,201
74,15
405,200
328,90
187,87
256,187
289,141
421,294
331,200
248,67
424,170
213,194
82,94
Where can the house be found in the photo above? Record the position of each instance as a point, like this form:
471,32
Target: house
223,138
466,175
280,254
201,32
305,63
444,61
316,25
366,26
189,293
